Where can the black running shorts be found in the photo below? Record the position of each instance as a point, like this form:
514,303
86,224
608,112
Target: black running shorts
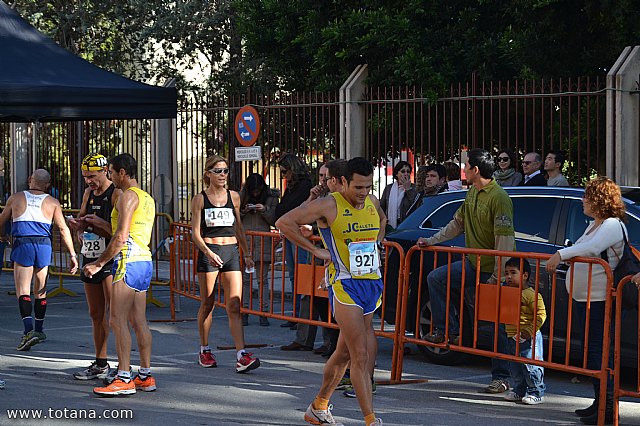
229,255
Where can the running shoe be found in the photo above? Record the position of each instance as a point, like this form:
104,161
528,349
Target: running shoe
247,363
532,400
320,417
207,360
92,372
376,422
345,383
512,396
350,392
24,344
497,386
35,337
117,387
40,336
148,384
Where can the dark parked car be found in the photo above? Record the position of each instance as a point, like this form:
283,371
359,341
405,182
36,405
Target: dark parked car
545,219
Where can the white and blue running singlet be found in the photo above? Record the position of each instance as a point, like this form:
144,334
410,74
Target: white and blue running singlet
32,223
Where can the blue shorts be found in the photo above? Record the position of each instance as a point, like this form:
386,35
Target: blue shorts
136,275
367,294
31,251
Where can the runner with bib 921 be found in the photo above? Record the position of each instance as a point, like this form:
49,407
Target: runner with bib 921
351,225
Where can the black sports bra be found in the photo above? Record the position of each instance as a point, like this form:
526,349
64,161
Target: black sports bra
217,221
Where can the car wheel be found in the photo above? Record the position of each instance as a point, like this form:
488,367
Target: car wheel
434,354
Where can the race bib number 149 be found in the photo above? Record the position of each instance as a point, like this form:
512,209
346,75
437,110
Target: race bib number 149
219,216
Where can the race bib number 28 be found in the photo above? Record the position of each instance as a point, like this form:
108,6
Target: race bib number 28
92,245
363,258
219,216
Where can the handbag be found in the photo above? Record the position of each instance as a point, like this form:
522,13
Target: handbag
628,264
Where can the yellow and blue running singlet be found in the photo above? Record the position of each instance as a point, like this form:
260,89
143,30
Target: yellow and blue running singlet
354,271
133,263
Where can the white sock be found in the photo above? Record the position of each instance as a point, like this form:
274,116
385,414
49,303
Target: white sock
239,354
124,375
144,372
205,348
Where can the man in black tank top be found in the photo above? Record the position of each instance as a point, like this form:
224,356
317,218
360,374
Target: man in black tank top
93,229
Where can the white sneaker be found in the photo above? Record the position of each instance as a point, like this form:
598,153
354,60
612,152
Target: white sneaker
512,396
320,417
532,400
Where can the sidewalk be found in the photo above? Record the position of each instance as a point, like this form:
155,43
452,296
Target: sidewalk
275,394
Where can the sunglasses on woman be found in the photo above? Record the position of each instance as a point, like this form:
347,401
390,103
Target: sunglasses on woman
503,159
219,171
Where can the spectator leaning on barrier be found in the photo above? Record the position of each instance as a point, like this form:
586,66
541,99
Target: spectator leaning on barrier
603,238
398,196
553,166
258,208
298,189
486,219
527,379
506,174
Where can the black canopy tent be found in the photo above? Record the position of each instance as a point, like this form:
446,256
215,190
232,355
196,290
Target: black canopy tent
41,81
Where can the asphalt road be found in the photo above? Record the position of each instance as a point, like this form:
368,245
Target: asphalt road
275,394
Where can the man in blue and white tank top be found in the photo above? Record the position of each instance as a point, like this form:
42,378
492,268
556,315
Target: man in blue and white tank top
33,211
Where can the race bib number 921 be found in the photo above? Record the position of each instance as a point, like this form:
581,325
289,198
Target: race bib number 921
363,258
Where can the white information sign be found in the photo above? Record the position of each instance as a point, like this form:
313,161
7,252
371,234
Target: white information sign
248,153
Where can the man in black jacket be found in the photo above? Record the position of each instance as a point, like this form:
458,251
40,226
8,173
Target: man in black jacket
531,168
299,185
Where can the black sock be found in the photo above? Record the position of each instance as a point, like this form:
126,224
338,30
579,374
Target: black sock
24,302
40,308
101,362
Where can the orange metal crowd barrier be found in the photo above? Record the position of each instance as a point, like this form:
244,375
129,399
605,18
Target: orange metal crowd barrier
491,304
619,392
494,307
282,300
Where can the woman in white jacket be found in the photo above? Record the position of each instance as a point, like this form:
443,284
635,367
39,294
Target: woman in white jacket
603,202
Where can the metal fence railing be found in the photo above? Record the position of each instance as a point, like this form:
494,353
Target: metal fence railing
400,123
565,114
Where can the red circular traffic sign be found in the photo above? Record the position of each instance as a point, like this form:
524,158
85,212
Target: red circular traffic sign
247,126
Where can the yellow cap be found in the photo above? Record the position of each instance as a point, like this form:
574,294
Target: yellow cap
94,162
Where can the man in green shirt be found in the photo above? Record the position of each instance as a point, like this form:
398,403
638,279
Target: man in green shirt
486,218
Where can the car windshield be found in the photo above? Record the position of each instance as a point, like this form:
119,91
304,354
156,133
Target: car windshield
631,193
